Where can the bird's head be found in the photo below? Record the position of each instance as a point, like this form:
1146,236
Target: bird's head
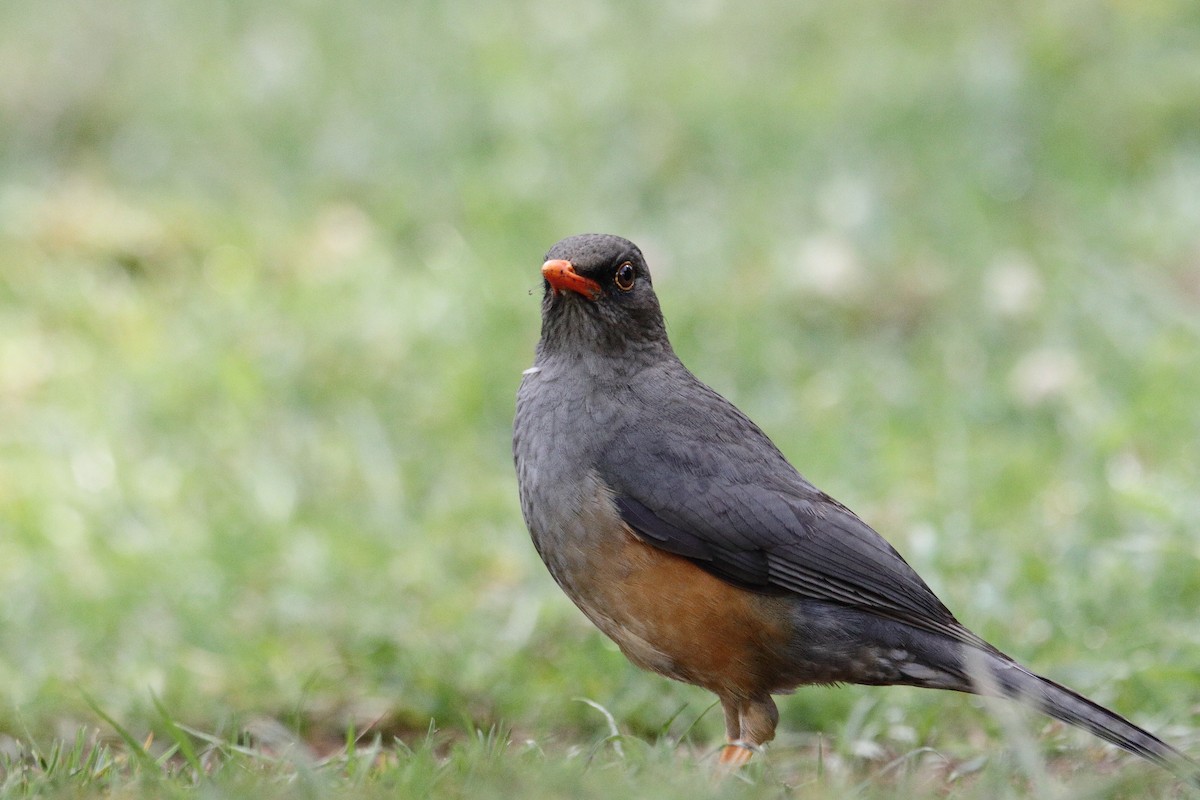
599,297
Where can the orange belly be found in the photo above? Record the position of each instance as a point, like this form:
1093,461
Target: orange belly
670,616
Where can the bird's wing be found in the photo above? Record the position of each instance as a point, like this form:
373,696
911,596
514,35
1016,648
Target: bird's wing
697,478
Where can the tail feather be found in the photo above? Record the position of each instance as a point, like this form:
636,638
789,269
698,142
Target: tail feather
996,674
906,654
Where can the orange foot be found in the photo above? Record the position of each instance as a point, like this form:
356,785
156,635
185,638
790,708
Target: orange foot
736,754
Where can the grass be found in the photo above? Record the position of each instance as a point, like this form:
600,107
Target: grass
268,278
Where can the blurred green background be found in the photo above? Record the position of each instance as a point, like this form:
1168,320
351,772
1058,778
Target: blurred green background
269,276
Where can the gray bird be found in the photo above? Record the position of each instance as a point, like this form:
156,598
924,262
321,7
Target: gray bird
683,533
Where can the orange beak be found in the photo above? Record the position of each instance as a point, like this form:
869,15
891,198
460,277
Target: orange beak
561,276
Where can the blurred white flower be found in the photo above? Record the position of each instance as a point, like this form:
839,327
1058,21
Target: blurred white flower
828,265
1012,285
1043,375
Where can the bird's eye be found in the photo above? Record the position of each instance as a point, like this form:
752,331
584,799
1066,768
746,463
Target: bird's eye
624,277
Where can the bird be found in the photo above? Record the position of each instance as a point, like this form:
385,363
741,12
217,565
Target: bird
687,537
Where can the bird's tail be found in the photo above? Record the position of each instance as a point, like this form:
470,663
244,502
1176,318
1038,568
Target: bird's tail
992,673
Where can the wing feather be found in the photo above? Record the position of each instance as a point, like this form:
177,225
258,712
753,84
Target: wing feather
713,488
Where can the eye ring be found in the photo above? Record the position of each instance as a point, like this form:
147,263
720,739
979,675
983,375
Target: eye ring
624,277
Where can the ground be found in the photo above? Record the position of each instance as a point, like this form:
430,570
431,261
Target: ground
269,276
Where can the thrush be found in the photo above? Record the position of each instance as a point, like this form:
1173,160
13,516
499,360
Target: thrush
684,534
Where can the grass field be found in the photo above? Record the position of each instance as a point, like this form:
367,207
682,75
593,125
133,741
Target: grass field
269,276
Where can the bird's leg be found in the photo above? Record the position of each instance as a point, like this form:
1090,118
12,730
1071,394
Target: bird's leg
736,752
749,724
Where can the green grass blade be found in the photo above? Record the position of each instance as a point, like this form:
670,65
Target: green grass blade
135,747
179,737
